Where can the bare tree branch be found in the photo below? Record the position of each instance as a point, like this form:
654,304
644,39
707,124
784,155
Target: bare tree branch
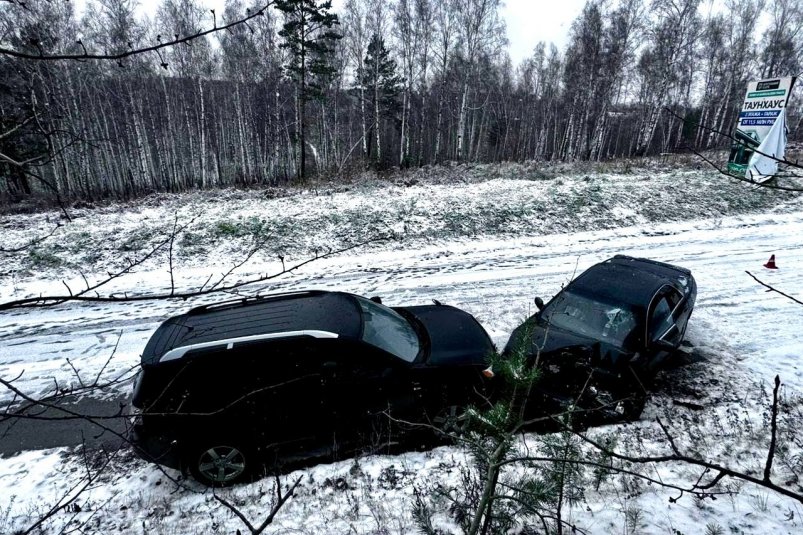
23,166
732,138
18,126
677,456
743,179
122,55
773,430
33,242
772,289
281,499
83,295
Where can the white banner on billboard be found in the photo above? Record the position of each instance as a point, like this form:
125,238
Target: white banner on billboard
764,162
762,109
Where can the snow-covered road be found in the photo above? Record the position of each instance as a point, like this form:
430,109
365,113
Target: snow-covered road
494,279
744,335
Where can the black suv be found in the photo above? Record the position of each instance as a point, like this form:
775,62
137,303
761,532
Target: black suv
600,341
228,386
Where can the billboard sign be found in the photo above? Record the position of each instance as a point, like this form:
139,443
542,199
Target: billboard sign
763,108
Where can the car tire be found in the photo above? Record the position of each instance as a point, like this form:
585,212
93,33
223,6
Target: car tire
452,421
220,465
632,406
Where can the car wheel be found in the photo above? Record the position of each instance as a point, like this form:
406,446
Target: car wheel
220,465
452,420
631,407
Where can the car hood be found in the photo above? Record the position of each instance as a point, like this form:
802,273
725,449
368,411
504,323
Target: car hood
553,343
455,337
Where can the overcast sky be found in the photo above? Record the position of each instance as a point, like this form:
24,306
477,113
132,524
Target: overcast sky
531,21
528,21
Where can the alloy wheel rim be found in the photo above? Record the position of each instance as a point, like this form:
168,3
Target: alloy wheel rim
452,420
221,464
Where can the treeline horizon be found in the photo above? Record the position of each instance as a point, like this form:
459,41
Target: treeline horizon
305,91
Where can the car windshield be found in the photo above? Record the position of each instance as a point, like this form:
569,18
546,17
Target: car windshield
386,329
609,323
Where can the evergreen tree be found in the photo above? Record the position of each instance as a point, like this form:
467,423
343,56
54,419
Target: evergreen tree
19,140
307,34
32,101
383,86
504,488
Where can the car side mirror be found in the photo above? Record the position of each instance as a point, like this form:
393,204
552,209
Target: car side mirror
376,299
539,303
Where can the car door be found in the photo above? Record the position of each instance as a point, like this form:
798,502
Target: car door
663,332
365,391
284,397
222,393
683,310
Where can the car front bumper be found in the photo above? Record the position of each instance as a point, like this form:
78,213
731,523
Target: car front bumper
155,448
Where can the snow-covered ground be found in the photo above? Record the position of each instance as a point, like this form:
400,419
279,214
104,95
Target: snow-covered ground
486,247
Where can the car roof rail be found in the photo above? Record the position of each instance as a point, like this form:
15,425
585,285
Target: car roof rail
229,343
230,303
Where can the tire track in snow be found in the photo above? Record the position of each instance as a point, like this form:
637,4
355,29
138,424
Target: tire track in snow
495,280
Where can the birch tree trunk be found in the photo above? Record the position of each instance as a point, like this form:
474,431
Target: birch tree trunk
202,129
461,122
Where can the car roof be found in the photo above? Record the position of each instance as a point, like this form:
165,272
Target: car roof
627,280
312,313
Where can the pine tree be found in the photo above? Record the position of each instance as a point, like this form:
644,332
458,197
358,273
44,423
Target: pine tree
307,34
499,491
18,137
383,85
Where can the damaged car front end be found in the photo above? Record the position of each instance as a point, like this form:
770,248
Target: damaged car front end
600,341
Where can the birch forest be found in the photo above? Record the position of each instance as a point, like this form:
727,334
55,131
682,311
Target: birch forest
304,90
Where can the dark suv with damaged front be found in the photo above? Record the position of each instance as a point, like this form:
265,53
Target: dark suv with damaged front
227,387
601,340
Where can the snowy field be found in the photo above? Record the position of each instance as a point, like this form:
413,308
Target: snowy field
488,247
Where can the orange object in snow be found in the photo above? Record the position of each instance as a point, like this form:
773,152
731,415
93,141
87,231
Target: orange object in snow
771,263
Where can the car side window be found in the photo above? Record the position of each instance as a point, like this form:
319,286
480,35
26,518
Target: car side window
674,298
356,363
661,318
